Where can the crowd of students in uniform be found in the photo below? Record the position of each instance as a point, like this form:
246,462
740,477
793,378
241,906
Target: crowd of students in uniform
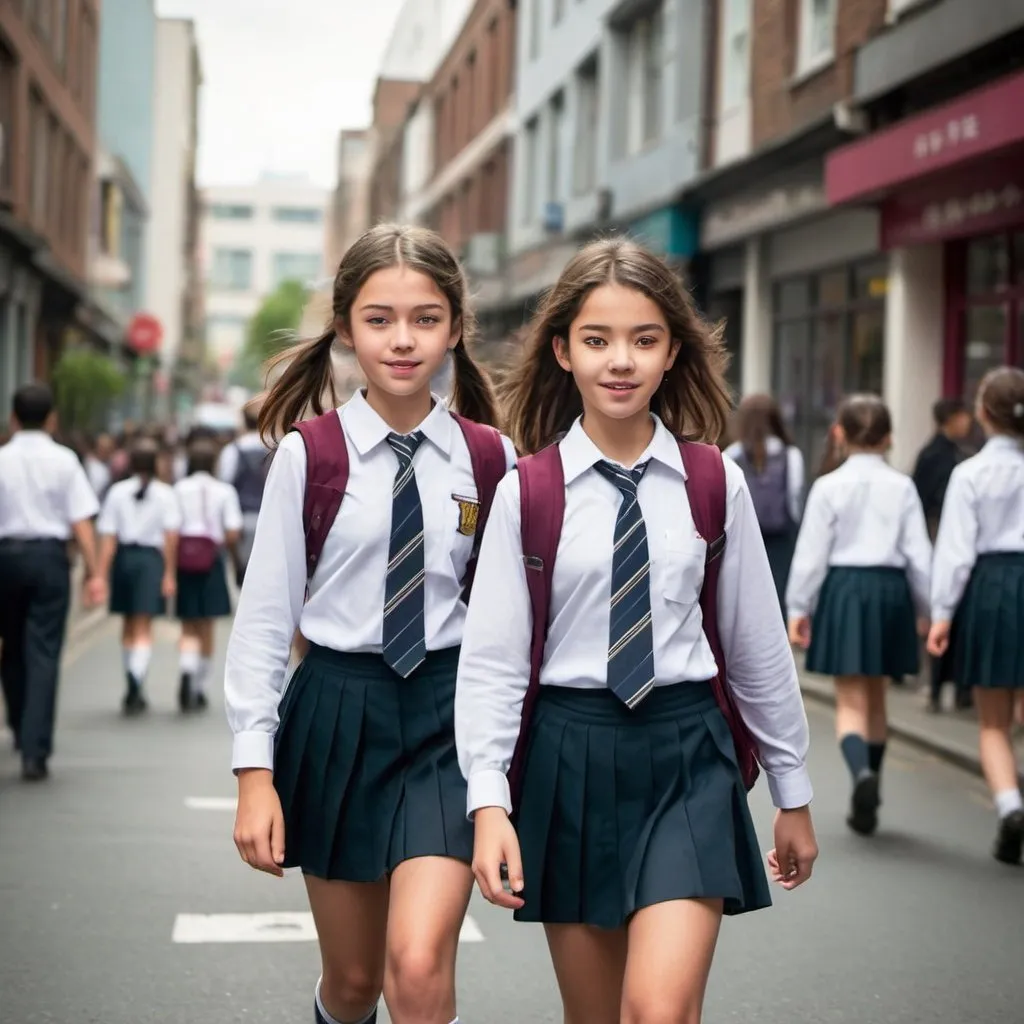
553,660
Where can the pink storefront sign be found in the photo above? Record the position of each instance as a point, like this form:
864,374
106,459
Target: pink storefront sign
988,198
981,123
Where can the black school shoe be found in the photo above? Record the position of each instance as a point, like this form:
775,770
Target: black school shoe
34,769
185,692
1010,839
864,803
134,702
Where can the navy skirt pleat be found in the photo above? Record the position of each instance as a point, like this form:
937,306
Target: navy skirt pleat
366,768
989,624
203,595
864,624
623,809
136,580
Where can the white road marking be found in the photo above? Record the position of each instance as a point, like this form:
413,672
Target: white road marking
211,803
279,927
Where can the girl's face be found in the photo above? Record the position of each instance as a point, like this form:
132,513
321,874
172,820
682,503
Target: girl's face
400,328
618,350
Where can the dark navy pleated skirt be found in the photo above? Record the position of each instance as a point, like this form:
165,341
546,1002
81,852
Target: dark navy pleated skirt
864,624
136,578
366,768
988,630
623,809
203,595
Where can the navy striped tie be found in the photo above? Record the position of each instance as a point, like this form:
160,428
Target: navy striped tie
404,637
630,639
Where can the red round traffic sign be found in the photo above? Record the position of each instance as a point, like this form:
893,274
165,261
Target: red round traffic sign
145,333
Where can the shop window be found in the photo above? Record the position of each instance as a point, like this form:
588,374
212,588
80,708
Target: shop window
988,265
1018,259
8,73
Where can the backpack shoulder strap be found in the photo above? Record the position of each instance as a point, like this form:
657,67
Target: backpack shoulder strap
326,480
487,455
706,491
542,510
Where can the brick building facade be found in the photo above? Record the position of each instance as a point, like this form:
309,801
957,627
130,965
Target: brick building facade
392,99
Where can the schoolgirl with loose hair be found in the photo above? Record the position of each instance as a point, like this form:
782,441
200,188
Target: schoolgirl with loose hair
774,470
858,590
351,773
138,527
978,590
622,823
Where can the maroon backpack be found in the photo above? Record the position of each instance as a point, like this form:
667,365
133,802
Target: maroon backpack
327,478
542,509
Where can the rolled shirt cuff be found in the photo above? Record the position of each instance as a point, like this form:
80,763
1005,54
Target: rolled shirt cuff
791,790
488,788
253,750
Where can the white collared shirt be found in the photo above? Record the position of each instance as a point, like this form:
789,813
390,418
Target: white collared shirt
345,607
44,489
983,512
209,507
144,521
494,667
794,470
865,513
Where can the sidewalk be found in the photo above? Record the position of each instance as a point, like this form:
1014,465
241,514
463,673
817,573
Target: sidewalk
81,620
950,735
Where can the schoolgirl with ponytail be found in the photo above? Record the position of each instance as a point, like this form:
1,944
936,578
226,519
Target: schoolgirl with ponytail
352,776
139,524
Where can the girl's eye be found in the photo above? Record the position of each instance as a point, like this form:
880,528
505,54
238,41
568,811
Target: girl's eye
430,320
376,321
646,341
593,341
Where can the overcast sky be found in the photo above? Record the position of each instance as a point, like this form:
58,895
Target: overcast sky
281,78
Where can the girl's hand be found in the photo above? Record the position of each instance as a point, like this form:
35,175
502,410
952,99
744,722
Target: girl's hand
496,845
169,586
938,639
796,849
800,631
923,627
259,822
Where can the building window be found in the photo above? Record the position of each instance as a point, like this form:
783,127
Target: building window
87,59
297,214
40,157
8,73
645,74
494,70
734,83
232,270
304,267
530,154
556,119
230,211
817,33
58,170
584,160
829,342
535,27
472,96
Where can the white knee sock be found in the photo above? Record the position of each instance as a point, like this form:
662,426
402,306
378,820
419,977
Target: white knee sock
1008,801
199,683
138,662
188,662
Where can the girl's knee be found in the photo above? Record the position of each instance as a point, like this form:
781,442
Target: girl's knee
350,990
419,975
660,1007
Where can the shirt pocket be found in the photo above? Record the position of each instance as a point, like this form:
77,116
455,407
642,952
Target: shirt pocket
681,569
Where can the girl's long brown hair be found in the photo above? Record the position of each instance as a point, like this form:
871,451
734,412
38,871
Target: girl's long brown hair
758,418
540,399
307,379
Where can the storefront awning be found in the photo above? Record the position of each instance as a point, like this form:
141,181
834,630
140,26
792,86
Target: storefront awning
981,123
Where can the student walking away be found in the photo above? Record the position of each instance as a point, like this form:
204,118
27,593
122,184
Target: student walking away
244,464
858,591
978,590
774,470
935,463
636,655
211,522
366,541
45,500
139,526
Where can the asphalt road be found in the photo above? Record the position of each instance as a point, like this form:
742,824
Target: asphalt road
104,867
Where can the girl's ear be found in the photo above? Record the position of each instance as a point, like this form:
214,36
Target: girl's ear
673,351
456,333
341,331
561,349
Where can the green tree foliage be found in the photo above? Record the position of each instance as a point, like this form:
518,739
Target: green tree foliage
85,385
271,329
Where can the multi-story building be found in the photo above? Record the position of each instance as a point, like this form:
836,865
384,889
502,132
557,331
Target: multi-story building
253,238
350,204
457,150
48,55
608,105
171,293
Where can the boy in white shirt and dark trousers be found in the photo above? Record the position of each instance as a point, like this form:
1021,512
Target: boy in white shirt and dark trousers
45,498
858,591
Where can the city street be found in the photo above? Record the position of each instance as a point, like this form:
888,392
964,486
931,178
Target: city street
106,866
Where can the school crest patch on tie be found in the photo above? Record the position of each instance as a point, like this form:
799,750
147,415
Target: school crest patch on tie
469,511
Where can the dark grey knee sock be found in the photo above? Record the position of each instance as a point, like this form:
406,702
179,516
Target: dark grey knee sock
855,753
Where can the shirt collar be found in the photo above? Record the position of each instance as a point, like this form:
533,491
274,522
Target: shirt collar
365,428
25,436
579,453
1002,443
